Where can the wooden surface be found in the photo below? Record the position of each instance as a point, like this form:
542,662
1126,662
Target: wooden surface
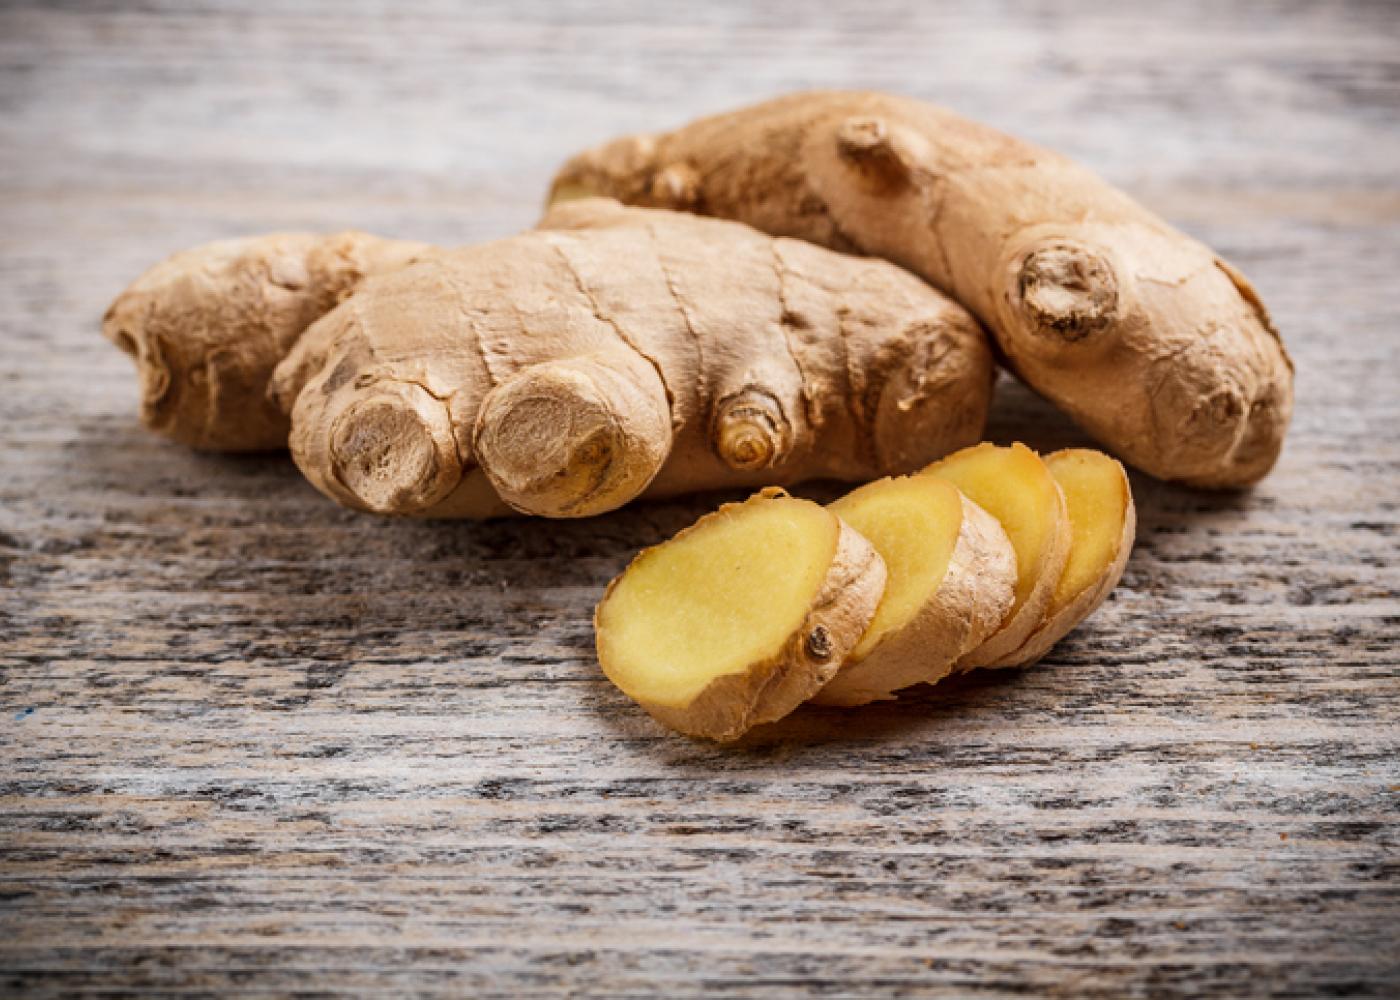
254,744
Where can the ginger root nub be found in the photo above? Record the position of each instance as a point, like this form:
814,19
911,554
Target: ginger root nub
751,431
576,437
394,449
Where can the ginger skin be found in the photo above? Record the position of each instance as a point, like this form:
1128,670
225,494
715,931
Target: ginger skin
1153,344
207,326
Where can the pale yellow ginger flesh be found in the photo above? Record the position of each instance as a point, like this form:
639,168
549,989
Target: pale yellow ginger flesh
1099,502
951,572
1014,485
913,523
996,479
741,617
716,601
1097,498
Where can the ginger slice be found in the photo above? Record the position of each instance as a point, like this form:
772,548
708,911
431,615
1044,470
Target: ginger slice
741,617
1015,486
951,576
1103,522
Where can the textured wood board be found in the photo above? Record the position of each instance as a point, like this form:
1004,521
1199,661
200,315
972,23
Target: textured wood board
252,743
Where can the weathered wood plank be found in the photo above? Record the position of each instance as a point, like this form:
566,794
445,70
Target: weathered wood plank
254,743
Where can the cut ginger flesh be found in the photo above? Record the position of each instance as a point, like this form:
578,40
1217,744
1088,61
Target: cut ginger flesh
913,523
715,600
1097,500
1015,487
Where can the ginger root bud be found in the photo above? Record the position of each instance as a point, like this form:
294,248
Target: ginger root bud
576,437
394,450
751,432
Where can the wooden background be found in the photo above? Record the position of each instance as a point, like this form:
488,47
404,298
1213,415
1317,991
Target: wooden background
254,744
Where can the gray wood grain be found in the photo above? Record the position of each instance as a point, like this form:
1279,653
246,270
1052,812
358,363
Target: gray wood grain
253,744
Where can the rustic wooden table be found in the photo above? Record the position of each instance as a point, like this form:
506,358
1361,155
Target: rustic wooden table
252,743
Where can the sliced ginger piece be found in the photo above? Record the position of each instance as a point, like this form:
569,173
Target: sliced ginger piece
1015,486
951,577
1103,522
741,617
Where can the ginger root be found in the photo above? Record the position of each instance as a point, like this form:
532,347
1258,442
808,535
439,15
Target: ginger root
561,372
207,326
1151,342
617,351
1102,520
739,618
951,580
1015,486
